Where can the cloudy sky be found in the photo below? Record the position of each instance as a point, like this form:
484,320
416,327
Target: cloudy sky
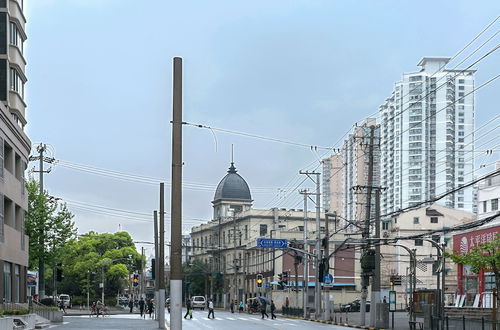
99,91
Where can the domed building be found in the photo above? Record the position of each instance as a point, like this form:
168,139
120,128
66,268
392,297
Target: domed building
227,246
232,195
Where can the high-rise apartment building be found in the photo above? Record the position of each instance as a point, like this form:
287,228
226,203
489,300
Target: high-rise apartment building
14,151
345,171
427,137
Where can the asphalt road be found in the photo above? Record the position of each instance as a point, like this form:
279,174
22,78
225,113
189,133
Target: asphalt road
244,321
223,321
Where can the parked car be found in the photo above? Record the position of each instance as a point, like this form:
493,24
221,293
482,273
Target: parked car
354,306
198,302
65,298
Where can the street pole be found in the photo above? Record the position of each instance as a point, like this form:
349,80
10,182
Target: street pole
102,278
366,231
443,285
161,261
142,271
88,289
157,275
317,295
41,260
176,200
375,295
305,281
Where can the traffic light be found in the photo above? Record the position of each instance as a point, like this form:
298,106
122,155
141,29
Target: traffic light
285,278
395,280
153,268
280,281
259,280
135,281
59,274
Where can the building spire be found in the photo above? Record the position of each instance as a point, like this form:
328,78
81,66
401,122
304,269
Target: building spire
232,169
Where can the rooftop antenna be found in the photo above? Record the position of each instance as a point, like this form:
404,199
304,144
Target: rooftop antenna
232,153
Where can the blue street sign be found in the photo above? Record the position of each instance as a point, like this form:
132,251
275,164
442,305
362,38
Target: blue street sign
328,279
272,243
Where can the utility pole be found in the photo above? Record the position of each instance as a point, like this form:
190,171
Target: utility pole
157,274
41,148
142,271
161,261
375,296
317,288
176,201
305,281
365,279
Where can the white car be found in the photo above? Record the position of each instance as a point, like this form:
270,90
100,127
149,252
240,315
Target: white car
198,302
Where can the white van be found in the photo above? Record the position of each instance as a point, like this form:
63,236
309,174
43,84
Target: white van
198,302
65,299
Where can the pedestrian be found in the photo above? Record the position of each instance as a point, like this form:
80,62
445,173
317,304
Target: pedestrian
273,308
98,307
211,308
150,308
263,309
131,305
141,306
241,306
189,308
287,302
385,299
62,307
231,306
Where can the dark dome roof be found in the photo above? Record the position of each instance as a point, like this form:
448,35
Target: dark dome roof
233,187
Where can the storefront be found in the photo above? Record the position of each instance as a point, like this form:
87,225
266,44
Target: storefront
469,283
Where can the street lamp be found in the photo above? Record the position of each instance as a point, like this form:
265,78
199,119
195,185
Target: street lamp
104,262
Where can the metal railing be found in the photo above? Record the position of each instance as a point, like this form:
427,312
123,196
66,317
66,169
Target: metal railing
292,311
464,323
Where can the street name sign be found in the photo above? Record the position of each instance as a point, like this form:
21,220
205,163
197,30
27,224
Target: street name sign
272,243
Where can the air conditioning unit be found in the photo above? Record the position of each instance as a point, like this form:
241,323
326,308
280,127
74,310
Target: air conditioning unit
385,234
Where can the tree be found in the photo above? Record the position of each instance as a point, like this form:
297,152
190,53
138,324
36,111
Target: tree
83,264
485,256
49,226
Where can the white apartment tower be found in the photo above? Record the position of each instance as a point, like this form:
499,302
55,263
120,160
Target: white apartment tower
427,137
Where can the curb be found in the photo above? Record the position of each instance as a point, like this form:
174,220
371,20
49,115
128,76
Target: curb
333,323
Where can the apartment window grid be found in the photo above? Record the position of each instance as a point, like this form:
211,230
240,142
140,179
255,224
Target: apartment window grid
15,36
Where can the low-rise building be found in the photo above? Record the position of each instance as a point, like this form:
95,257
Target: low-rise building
396,260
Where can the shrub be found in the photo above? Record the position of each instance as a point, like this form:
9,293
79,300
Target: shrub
15,312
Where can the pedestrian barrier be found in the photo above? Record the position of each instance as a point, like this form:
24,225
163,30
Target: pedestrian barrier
292,311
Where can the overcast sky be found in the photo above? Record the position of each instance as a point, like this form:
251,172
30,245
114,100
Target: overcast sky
99,89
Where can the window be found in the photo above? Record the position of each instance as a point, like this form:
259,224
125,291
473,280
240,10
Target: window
416,220
461,81
419,242
461,88
385,225
16,82
263,230
7,282
15,36
434,219
489,281
494,204
246,231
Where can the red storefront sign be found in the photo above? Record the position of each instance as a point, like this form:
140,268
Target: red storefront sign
464,243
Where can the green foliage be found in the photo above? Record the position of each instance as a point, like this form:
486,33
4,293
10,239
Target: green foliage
86,258
46,221
23,311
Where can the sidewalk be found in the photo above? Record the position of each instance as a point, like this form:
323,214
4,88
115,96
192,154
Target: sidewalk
400,319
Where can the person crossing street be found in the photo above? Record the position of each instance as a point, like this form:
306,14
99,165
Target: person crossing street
211,308
141,307
273,308
189,309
